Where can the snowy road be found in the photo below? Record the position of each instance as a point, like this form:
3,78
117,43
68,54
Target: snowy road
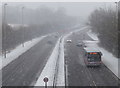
25,70
77,72
61,62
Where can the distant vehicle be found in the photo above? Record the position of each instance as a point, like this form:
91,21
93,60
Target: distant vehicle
69,41
92,57
80,44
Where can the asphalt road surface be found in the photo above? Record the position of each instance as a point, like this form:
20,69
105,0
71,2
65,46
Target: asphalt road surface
25,70
77,72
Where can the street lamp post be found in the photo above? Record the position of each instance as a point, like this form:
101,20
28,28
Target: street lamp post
116,11
4,28
22,28
117,21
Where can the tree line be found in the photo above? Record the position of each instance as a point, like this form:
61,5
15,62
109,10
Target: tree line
43,21
119,29
104,23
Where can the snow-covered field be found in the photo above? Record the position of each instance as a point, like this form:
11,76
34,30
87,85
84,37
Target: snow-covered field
108,59
19,50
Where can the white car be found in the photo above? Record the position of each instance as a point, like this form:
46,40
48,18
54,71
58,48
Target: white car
69,41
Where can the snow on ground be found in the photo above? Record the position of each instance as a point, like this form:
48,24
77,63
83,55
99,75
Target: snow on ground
61,73
57,57
18,51
49,69
92,35
108,59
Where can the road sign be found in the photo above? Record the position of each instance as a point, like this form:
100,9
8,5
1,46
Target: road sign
45,79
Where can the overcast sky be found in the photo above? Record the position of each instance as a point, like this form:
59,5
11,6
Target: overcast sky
82,9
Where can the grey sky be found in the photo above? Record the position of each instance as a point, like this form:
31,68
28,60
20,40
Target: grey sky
82,9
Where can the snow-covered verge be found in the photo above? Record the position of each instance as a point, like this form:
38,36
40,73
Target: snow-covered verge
93,35
108,59
61,73
19,50
49,69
